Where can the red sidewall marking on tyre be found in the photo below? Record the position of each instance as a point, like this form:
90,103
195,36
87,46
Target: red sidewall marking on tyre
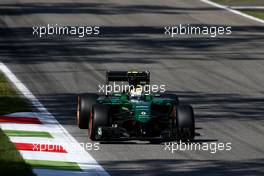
90,124
78,110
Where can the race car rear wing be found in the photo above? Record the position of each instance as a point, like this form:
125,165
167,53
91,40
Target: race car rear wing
132,77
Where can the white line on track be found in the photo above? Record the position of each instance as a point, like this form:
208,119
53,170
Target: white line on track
247,7
84,158
233,11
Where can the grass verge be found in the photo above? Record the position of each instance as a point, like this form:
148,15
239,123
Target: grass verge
255,13
11,162
10,101
240,2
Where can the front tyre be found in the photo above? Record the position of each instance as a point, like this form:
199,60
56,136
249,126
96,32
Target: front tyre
84,105
99,117
184,122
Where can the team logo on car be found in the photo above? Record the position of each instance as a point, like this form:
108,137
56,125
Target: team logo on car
99,131
143,113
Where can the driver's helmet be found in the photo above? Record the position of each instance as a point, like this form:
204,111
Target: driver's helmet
136,92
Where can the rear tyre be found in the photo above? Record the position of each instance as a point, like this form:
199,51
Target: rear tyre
84,105
99,117
184,123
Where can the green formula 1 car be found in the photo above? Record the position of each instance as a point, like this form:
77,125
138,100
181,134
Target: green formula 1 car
134,113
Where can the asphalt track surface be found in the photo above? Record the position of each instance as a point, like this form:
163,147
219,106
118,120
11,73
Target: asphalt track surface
222,78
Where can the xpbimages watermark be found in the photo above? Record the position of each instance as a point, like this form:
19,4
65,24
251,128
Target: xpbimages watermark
211,147
76,31
61,146
117,88
184,30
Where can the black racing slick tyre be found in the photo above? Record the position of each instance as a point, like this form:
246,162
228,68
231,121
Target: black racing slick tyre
84,105
185,123
99,118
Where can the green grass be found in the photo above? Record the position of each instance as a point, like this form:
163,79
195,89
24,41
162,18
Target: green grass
11,162
255,13
9,100
240,2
